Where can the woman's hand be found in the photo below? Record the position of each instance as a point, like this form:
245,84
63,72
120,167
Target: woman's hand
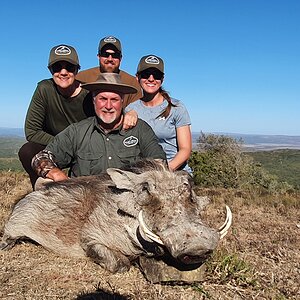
130,119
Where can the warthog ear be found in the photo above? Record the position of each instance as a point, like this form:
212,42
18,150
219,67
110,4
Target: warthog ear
123,179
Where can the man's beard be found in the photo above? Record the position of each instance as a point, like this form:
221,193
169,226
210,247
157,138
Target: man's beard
109,69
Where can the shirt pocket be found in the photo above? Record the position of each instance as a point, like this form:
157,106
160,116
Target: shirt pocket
88,164
129,155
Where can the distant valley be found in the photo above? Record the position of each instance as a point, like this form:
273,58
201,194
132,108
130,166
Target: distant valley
285,164
252,142
257,142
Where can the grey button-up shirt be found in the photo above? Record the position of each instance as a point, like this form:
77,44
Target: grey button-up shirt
88,150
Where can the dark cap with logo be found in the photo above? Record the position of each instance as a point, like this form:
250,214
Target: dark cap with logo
110,40
150,61
63,52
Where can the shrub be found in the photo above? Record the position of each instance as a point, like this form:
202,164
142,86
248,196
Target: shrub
219,162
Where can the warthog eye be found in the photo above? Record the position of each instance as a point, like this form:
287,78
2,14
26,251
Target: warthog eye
145,187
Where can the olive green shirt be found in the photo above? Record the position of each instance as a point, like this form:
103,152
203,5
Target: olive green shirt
49,112
88,150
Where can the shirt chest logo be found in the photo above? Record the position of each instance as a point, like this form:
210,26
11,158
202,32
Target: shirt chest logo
130,141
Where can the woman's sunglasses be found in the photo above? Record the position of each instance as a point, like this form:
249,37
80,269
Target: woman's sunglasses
58,66
157,75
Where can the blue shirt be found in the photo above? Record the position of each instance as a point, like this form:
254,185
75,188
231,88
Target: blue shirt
164,128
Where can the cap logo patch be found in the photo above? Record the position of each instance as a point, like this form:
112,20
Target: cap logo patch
62,50
130,141
110,39
153,60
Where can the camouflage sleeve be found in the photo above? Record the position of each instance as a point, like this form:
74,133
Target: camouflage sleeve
43,162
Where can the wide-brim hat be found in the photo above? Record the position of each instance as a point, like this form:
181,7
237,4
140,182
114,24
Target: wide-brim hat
109,82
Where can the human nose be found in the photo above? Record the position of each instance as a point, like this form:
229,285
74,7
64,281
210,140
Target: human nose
63,70
108,104
151,78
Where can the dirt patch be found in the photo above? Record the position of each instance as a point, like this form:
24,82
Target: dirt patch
258,259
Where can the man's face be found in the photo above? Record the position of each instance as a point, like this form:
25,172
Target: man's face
108,108
109,60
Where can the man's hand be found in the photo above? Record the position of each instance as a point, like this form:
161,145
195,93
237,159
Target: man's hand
130,119
56,175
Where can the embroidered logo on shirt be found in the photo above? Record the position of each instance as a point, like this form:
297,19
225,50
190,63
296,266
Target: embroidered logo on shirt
130,141
62,50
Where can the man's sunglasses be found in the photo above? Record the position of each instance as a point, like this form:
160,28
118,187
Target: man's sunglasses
106,54
157,75
58,66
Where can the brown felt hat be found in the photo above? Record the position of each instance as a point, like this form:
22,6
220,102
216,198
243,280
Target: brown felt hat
109,82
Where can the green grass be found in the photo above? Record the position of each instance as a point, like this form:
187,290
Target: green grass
12,164
228,267
285,164
9,147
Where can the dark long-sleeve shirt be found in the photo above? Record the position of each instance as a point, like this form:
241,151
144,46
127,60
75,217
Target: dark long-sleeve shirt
49,112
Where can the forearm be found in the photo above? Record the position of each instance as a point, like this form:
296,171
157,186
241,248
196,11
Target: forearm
38,136
179,159
35,120
45,166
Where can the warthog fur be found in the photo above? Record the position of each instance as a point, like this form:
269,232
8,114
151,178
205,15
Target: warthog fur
97,216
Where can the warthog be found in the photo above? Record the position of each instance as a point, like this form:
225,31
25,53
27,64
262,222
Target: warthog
116,217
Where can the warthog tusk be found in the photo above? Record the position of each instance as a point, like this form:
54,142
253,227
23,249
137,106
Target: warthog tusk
224,228
152,236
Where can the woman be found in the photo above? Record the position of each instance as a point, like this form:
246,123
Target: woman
55,104
168,117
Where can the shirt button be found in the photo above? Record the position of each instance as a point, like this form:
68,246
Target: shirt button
109,157
107,139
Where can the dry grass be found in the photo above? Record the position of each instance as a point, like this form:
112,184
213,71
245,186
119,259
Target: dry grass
259,259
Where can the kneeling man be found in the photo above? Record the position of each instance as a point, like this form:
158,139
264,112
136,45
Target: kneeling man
92,145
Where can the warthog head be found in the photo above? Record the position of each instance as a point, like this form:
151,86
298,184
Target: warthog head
169,212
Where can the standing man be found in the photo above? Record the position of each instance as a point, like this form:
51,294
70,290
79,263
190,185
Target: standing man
110,56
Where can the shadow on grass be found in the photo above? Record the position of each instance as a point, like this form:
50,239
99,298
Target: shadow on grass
102,295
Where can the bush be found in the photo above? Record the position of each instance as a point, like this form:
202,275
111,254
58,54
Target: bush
219,162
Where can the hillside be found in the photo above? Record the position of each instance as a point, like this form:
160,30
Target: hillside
257,142
9,147
285,164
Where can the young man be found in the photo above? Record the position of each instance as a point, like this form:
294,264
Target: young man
97,143
110,56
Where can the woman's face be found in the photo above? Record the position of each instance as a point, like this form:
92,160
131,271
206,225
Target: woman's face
64,73
150,80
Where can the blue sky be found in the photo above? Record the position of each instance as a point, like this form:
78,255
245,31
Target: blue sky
234,63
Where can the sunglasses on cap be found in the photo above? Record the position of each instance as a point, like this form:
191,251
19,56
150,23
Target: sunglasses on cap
58,66
113,55
157,75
